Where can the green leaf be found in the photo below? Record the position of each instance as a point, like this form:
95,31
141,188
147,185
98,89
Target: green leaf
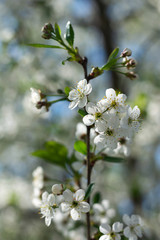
69,59
89,190
81,147
39,45
82,112
111,60
53,152
69,36
97,197
67,90
113,54
113,159
109,64
57,31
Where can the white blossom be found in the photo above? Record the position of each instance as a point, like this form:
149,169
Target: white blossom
47,207
103,212
95,113
111,233
57,189
74,203
35,96
113,101
134,228
78,96
38,177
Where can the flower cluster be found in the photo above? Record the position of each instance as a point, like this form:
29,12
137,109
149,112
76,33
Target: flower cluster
132,231
38,184
64,201
114,121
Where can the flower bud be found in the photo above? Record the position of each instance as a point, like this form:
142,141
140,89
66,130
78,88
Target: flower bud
126,53
47,31
95,72
131,75
131,63
57,189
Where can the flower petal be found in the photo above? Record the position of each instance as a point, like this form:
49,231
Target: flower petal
84,207
73,104
138,231
127,232
126,219
51,199
89,120
121,98
79,195
88,89
104,237
76,215
117,227
110,94
91,108
68,195
82,102
82,85
47,221
65,207
105,228
73,94
44,196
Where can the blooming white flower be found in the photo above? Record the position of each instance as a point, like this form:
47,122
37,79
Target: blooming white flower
111,233
113,101
48,207
130,120
103,212
78,96
38,177
95,113
57,189
74,202
134,228
35,96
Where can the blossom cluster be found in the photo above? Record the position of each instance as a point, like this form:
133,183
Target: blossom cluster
65,201
132,230
114,121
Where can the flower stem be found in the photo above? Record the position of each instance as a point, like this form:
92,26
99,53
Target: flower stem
84,65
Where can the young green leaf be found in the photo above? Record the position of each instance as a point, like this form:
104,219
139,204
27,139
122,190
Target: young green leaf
113,159
96,197
113,54
81,147
82,112
89,190
53,152
69,36
39,45
67,90
57,32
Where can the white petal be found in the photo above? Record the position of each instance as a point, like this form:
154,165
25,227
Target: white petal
79,195
82,85
65,207
126,219
117,236
138,231
121,98
73,104
134,219
47,221
84,207
76,215
91,108
97,208
35,95
82,102
110,94
133,237
105,228
73,94
127,232
117,227
68,195
45,196
51,199
88,89
100,139
135,113
104,237
89,120
100,125
105,204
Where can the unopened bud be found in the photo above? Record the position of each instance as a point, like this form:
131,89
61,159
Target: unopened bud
131,75
57,189
95,72
131,63
47,31
126,53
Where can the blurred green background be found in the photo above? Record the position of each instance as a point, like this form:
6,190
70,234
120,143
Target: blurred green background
100,26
